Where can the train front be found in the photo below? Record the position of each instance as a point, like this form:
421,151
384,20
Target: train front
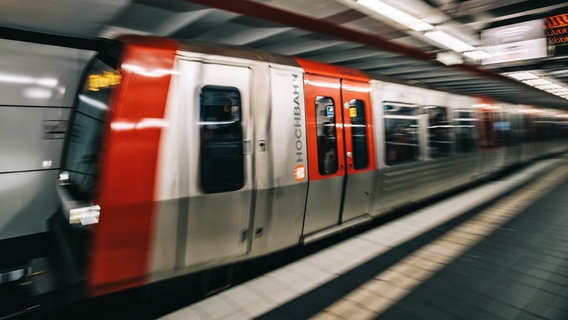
79,211
103,229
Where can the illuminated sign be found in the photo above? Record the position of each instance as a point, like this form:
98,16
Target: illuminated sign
102,81
515,42
557,33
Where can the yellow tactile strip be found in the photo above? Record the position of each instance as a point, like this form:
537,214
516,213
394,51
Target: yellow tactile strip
391,285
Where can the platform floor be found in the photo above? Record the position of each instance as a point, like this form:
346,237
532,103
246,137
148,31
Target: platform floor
498,251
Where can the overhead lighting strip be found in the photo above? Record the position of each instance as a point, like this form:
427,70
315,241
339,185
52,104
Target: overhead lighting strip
477,55
442,38
396,15
449,41
539,82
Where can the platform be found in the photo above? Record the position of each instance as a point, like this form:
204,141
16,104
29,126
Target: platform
497,251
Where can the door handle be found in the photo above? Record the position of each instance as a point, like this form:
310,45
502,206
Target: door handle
349,154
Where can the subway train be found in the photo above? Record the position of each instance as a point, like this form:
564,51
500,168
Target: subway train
182,157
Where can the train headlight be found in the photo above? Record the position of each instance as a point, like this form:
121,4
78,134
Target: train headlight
85,215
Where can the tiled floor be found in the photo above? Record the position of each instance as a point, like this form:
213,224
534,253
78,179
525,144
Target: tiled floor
445,261
520,271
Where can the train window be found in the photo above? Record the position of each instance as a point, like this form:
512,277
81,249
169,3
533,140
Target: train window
401,133
493,129
440,132
513,135
544,128
506,129
221,157
529,128
399,109
486,132
502,128
327,138
561,127
359,134
465,126
86,129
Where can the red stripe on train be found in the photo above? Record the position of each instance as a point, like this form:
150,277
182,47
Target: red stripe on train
122,240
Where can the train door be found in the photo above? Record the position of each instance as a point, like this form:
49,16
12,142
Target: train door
217,213
340,157
325,152
359,145
491,129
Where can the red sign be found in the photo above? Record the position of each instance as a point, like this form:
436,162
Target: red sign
557,30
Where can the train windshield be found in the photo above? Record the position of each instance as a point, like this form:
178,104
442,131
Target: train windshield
87,125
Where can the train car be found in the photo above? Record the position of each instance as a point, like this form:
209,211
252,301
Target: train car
182,157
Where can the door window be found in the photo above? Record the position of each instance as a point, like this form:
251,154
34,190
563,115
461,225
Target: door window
465,126
359,134
326,135
440,132
221,157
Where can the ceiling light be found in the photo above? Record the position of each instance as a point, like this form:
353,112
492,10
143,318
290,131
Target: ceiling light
549,87
449,58
522,75
396,15
537,82
449,41
558,90
477,55
543,84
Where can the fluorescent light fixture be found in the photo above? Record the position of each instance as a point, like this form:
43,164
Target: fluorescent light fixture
558,90
543,84
477,55
549,87
396,15
538,82
522,75
449,58
449,41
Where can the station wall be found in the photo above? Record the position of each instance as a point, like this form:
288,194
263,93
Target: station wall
37,85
